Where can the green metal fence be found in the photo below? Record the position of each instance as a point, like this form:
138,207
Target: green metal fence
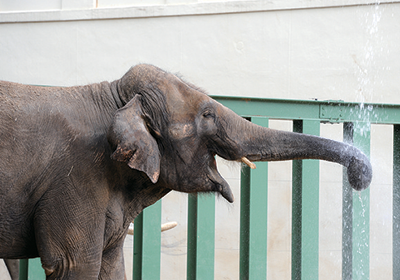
307,117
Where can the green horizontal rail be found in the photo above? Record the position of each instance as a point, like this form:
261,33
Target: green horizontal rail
324,111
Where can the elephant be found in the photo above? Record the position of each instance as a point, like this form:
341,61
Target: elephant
13,268
78,164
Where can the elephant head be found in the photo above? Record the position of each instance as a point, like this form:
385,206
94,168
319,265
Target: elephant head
171,130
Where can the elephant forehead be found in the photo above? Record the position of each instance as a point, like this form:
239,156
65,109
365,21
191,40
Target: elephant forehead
183,100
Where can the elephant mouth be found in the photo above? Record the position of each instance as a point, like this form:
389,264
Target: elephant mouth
219,183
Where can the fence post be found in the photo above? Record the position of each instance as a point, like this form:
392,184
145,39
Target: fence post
305,210
31,269
347,214
147,243
396,202
356,209
244,222
23,269
253,218
361,210
201,237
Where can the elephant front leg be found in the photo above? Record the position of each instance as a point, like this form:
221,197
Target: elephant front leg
70,247
66,269
112,264
70,259
13,268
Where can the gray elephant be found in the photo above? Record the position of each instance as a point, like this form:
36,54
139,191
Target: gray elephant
78,164
13,268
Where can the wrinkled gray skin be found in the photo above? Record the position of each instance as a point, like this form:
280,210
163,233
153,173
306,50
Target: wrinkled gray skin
78,164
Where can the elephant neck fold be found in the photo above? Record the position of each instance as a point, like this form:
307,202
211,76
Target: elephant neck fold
115,90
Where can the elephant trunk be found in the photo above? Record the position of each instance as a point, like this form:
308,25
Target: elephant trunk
257,143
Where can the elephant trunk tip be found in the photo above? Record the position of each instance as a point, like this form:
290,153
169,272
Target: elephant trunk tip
359,172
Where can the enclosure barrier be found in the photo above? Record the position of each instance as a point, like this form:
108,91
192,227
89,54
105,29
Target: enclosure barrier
306,117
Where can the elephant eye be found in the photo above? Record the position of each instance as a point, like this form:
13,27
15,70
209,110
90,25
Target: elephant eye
208,114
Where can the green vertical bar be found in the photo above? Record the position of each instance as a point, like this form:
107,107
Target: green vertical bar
23,269
396,202
258,210
137,247
253,218
31,269
205,236
35,269
244,222
201,237
192,237
309,217
296,209
361,209
347,214
147,243
310,209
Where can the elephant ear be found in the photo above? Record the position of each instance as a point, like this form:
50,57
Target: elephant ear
133,141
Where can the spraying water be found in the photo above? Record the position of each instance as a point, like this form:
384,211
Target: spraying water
366,80
366,66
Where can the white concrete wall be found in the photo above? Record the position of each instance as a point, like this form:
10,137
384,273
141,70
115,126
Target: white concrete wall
332,49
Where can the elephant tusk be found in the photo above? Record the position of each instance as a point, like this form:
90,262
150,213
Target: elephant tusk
248,162
168,226
164,227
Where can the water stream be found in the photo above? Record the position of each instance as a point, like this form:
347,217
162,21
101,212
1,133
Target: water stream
367,66
367,79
